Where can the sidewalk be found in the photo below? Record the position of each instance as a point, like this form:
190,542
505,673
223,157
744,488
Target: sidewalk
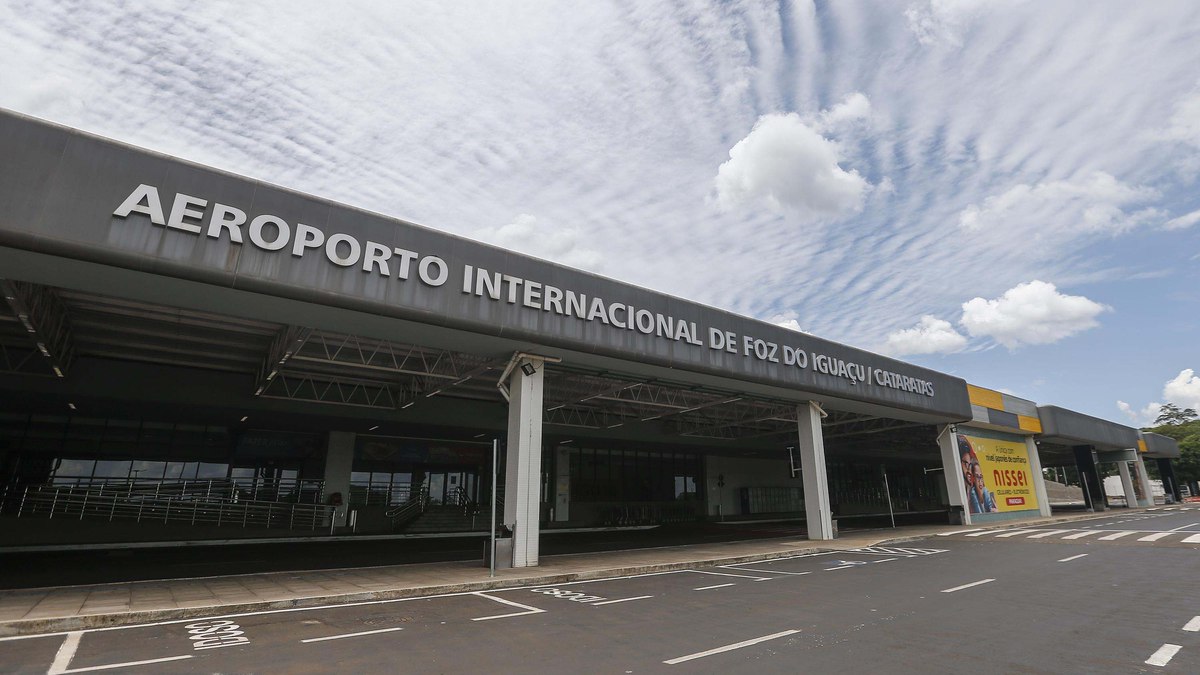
38,610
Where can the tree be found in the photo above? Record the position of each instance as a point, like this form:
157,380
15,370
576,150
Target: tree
1174,415
1187,433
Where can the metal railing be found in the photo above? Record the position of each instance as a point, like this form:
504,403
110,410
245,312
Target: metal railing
57,501
293,490
410,510
374,493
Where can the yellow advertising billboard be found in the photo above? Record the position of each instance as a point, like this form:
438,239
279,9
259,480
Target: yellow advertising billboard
997,475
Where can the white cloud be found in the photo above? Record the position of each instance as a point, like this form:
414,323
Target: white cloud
854,109
944,21
931,335
790,167
1184,125
1183,222
1143,417
1183,390
557,244
1032,313
1097,203
789,319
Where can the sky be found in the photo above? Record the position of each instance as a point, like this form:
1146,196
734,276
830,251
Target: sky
1005,191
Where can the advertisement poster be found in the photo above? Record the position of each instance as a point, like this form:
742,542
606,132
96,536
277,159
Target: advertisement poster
997,475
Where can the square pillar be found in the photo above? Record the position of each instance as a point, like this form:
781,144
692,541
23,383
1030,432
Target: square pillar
1127,485
1143,479
1170,485
339,461
817,515
1093,487
1039,481
953,472
522,481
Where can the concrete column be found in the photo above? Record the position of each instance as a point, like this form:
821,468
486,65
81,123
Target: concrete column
1093,487
1170,485
1039,482
1144,479
817,515
562,485
952,471
522,481
1127,485
339,461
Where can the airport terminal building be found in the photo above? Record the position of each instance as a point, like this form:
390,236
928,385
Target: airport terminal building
186,353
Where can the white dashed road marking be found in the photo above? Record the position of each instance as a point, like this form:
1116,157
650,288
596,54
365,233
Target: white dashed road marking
1117,535
1154,537
1013,533
1193,626
1074,557
613,602
1080,535
1194,539
350,635
1164,655
709,588
727,648
1047,533
970,585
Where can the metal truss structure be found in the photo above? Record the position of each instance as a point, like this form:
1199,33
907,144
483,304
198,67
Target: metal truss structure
46,327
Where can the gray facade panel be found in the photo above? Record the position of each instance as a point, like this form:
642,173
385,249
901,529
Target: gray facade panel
1159,446
60,189
1068,427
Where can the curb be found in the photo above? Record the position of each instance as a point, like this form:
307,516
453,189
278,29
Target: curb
23,627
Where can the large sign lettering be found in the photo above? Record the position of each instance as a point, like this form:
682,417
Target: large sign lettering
203,218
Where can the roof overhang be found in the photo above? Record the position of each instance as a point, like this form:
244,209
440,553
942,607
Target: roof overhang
1069,428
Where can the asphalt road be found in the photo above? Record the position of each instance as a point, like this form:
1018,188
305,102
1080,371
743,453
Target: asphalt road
942,605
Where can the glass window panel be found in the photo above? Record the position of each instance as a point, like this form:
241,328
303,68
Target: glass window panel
174,471
74,468
147,469
212,470
360,476
189,471
109,468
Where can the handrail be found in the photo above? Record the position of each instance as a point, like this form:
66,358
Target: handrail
60,501
410,509
296,490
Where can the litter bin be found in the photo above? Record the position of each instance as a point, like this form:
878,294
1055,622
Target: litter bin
504,550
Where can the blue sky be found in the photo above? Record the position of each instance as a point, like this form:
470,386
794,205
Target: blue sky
1006,191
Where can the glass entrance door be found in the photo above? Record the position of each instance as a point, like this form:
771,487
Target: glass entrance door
452,487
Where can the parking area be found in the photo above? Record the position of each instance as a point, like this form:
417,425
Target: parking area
911,606
1166,526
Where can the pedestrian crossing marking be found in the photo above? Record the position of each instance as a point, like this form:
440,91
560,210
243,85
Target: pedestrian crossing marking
1154,537
1117,535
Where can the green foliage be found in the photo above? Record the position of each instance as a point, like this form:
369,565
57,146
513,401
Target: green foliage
1174,415
1187,433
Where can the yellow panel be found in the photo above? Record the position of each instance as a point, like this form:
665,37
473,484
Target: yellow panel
985,397
1029,423
1142,445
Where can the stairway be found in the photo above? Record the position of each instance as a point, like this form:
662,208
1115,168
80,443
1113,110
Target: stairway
447,519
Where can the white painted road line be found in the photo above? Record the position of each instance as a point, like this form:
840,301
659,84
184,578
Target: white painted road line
746,569
527,608
1164,655
1074,557
350,635
1013,533
613,602
1185,527
1047,533
1194,539
1154,537
950,534
127,664
1080,535
726,574
843,567
970,585
1116,535
886,560
979,534
1193,626
709,588
66,652
729,648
